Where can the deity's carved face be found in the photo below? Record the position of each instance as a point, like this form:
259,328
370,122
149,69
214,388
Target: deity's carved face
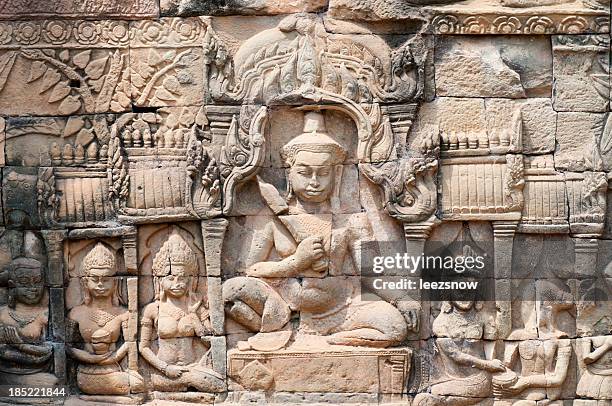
176,284
27,285
312,176
100,286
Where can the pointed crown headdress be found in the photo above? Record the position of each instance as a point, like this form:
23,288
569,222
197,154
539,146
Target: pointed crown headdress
313,139
99,258
175,251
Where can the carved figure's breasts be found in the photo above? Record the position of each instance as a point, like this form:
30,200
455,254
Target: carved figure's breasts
532,357
173,322
604,364
31,332
92,319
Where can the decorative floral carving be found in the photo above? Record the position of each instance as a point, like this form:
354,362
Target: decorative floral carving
517,24
27,33
506,25
116,33
56,32
87,32
6,32
186,30
153,32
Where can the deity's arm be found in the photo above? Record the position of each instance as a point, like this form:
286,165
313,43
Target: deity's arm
72,328
116,356
261,246
146,336
454,352
38,350
511,354
592,356
11,353
85,356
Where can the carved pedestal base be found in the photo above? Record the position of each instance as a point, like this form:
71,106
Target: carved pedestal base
192,397
383,371
100,400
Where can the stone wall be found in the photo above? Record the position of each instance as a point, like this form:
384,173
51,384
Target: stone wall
194,193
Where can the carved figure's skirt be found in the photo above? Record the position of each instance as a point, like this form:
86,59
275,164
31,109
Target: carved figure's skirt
477,385
103,379
595,386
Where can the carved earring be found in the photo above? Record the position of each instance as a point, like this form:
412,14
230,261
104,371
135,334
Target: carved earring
86,295
157,288
11,298
289,187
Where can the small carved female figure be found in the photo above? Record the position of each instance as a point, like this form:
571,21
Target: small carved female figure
543,369
596,380
101,317
179,322
465,377
24,357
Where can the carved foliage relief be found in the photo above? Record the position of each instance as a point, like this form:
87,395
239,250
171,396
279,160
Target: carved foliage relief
191,203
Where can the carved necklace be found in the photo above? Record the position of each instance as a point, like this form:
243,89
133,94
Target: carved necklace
175,312
22,320
101,317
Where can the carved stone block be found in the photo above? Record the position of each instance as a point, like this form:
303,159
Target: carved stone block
166,62
79,9
582,73
372,371
492,67
577,140
247,7
59,67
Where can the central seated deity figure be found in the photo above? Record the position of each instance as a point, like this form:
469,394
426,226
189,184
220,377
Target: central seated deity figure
309,277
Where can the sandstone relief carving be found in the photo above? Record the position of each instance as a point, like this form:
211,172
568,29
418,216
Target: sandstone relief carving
27,358
102,321
178,322
196,196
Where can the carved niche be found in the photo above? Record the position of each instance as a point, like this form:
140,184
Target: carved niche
326,106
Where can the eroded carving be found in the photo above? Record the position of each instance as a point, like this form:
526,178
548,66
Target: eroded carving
178,323
102,323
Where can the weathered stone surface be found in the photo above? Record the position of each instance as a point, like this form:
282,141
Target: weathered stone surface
233,204
582,73
485,16
248,7
493,67
577,139
63,67
79,9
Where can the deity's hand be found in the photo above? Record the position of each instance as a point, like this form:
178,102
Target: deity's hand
512,390
38,350
173,372
101,359
9,334
309,251
495,366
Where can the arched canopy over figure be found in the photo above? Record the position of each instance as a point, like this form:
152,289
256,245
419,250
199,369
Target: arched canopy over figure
25,358
312,247
178,321
101,322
